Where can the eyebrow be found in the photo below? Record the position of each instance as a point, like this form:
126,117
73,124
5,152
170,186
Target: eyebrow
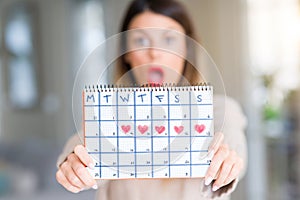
165,30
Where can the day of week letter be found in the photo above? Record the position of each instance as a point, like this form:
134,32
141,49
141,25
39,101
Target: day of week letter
142,97
177,98
124,99
106,96
160,97
90,97
199,97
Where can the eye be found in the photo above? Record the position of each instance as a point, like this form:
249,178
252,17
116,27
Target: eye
169,40
141,42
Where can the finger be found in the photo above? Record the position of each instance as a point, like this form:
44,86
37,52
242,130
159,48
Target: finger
236,169
83,155
61,179
71,176
216,143
216,163
224,172
82,172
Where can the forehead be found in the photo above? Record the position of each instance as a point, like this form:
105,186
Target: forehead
150,19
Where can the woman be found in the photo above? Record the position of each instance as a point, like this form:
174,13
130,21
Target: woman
151,65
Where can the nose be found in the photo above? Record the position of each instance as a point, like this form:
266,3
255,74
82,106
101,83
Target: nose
154,53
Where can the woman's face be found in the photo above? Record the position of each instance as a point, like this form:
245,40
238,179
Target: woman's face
151,62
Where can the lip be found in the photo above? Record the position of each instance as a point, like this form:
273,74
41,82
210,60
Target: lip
152,70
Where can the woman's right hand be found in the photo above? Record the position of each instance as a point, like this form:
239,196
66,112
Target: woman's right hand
72,173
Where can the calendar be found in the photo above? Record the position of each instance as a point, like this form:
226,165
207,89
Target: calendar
148,132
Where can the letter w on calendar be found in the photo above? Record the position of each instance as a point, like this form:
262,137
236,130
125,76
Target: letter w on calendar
155,132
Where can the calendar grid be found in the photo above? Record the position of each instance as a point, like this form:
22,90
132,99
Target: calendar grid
203,119
135,160
144,152
204,104
159,136
152,158
118,132
195,136
99,121
190,109
169,144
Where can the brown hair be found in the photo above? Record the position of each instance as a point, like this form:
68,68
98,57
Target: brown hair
169,8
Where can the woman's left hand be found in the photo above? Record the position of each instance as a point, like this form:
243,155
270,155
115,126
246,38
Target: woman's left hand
225,165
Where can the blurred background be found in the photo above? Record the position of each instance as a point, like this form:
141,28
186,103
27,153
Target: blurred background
255,44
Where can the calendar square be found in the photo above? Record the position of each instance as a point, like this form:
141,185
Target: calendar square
91,98
201,112
144,171
143,112
126,159
179,128
144,159
126,128
180,112
159,97
108,113
108,97
92,145
143,128
108,128
144,144
91,113
180,171
109,145
199,157
142,97
110,160
92,128
179,97
181,144
109,172
180,158
161,159
160,144
161,172
201,128
126,113
127,172
125,98
160,112
126,144
200,143
160,128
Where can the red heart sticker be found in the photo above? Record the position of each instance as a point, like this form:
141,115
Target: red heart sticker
178,129
125,128
160,129
142,129
199,128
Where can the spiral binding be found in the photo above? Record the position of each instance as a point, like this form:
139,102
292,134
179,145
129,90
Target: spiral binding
203,86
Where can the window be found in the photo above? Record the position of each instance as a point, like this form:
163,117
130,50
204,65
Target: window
20,57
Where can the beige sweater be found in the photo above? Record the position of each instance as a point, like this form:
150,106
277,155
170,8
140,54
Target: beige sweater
179,189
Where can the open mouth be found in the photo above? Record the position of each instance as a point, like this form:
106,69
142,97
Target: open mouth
155,76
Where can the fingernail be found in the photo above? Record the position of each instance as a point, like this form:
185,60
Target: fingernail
91,166
215,188
95,187
208,180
